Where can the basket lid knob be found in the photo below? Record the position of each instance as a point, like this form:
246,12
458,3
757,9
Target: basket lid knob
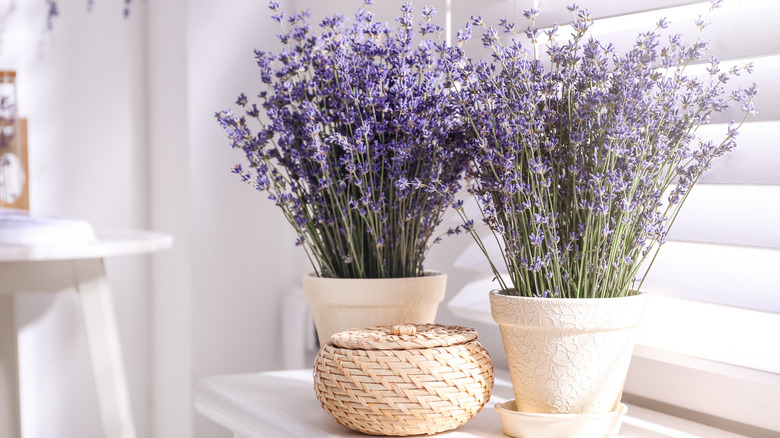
406,329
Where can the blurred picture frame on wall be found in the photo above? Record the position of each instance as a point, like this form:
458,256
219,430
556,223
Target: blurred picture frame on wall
14,173
14,169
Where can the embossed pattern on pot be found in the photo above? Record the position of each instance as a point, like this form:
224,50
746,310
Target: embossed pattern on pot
567,355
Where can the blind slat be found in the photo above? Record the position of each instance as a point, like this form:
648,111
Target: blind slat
755,160
385,11
767,70
554,11
739,29
729,275
730,215
740,215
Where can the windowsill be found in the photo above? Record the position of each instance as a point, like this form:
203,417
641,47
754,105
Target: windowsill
726,396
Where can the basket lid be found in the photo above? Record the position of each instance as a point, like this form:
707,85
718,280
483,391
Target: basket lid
403,337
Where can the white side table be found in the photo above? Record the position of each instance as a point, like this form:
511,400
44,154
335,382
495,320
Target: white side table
282,404
79,266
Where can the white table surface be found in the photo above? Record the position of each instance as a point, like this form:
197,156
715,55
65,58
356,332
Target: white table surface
282,404
108,244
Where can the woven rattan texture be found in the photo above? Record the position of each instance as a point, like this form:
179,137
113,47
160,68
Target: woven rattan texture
404,337
403,392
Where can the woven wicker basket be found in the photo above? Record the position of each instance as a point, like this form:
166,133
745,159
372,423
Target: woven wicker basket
403,380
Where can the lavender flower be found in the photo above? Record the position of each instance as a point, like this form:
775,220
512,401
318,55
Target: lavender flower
354,138
54,11
581,162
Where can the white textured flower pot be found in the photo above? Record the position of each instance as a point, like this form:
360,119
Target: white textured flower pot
340,304
567,355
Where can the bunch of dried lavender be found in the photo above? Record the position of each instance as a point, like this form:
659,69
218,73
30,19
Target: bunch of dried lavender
581,162
354,139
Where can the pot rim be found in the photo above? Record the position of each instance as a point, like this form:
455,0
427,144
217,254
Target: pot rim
581,314
497,292
370,292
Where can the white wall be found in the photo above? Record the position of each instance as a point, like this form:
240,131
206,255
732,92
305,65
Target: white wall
82,88
243,258
122,134
170,212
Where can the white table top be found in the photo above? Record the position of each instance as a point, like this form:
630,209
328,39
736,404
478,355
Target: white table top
282,404
107,244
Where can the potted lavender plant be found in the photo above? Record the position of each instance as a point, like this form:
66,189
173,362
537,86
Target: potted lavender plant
352,139
580,163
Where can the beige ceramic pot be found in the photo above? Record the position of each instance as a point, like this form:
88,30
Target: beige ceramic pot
340,304
567,355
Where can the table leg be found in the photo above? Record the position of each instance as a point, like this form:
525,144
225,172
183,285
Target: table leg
10,420
108,370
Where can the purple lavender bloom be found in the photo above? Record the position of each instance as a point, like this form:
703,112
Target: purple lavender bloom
53,10
357,139
582,159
